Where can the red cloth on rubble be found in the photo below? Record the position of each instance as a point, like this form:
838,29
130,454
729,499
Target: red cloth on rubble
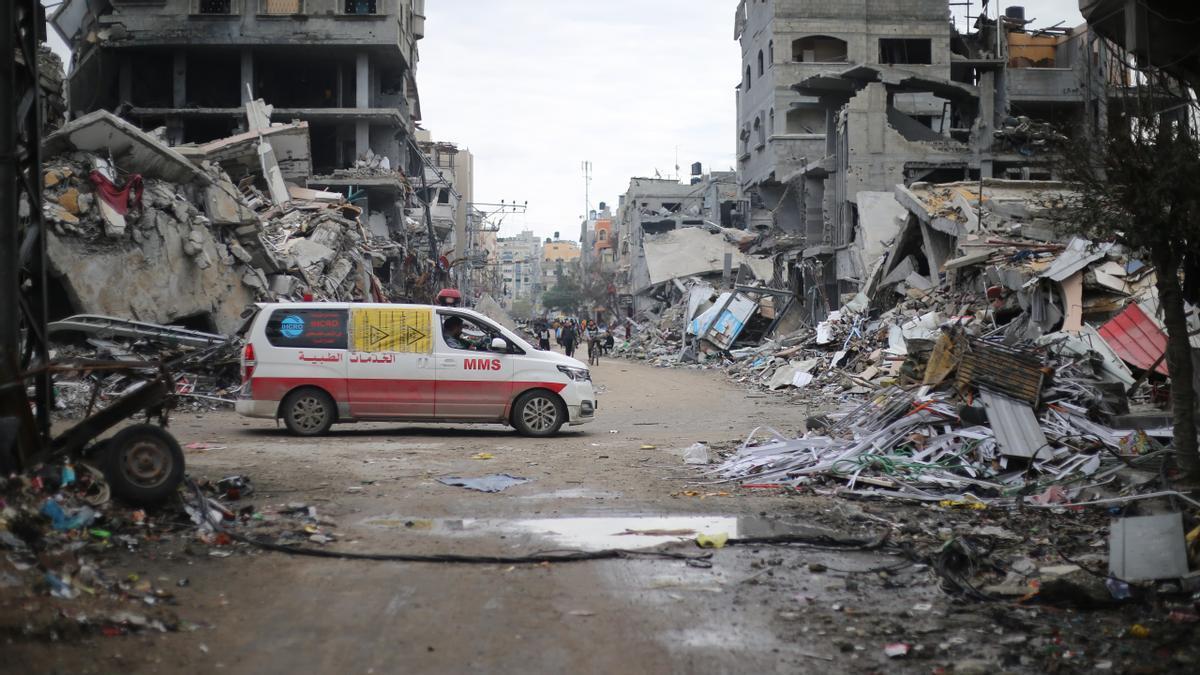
118,198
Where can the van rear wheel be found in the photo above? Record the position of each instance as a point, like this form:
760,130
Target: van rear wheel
538,413
309,412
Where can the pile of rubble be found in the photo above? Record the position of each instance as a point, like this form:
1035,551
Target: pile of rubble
197,246
985,357
205,366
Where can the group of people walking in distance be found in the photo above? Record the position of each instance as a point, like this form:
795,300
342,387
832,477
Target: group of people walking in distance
571,333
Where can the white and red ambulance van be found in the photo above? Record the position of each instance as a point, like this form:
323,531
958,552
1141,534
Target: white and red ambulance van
314,364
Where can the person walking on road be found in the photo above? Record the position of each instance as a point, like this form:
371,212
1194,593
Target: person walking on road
568,338
544,338
593,343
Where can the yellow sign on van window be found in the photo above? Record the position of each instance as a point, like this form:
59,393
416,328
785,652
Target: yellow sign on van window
408,331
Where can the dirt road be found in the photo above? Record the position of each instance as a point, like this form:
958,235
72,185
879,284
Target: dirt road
757,609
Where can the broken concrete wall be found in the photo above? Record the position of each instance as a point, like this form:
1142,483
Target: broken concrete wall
174,270
879,220
879,152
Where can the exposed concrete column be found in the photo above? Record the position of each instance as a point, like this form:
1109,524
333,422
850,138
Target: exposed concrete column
988,119
247,82
362,81
830,130
179,80
125,80
362,101
178,96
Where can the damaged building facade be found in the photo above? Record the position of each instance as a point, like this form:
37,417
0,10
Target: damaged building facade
650,222
346,70
234,151
904,98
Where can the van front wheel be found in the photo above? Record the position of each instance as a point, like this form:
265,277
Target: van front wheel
538,413
309,412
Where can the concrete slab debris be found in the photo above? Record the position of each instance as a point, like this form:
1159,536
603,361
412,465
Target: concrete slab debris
132,149
1145,548
692,251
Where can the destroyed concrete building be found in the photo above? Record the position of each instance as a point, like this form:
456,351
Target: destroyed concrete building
654,211
347,68
318,205
933,106
786,41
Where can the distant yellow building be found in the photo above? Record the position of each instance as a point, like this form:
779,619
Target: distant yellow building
554,251
557,256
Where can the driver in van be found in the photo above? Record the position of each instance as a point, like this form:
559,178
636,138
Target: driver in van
452,329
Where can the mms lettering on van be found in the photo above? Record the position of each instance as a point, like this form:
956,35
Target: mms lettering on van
291,327
481,364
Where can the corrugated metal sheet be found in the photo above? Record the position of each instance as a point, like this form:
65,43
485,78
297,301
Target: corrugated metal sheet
1018,432
1136,338
1079,254
1011,371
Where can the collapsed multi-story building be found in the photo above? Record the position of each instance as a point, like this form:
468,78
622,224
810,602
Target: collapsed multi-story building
840,102
653,208
346,68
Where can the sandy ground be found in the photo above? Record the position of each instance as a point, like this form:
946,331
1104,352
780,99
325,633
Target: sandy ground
761,609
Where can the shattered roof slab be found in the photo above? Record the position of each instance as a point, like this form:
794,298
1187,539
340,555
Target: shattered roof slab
289,141
693,250
942,205
131,148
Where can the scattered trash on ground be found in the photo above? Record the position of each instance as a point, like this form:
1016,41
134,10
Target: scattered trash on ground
496,482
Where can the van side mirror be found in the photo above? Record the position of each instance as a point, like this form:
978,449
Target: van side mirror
499,345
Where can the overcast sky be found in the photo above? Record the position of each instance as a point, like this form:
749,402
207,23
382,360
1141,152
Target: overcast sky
536,87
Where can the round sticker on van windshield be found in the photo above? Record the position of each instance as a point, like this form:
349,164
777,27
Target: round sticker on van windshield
292,326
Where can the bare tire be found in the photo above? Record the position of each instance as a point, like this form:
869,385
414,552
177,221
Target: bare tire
538,413
309,412
143,464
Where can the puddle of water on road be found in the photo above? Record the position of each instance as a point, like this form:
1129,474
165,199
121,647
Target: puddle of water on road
574,493
594,533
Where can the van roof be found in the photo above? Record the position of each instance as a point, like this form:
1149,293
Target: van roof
351,305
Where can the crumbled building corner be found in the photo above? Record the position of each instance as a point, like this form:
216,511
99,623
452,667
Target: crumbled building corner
204,246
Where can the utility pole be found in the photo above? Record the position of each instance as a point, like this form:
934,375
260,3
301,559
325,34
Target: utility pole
587,188
22,249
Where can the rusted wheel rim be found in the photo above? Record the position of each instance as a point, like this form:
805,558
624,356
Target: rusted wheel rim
147,463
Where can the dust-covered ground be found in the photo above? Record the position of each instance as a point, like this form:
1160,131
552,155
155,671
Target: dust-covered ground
619,482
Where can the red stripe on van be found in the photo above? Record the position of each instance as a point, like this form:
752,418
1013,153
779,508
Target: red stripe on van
275,388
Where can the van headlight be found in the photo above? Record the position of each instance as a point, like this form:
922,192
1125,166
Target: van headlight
577,374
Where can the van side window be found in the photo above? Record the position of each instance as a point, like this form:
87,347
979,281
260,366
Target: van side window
308,328
463,333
